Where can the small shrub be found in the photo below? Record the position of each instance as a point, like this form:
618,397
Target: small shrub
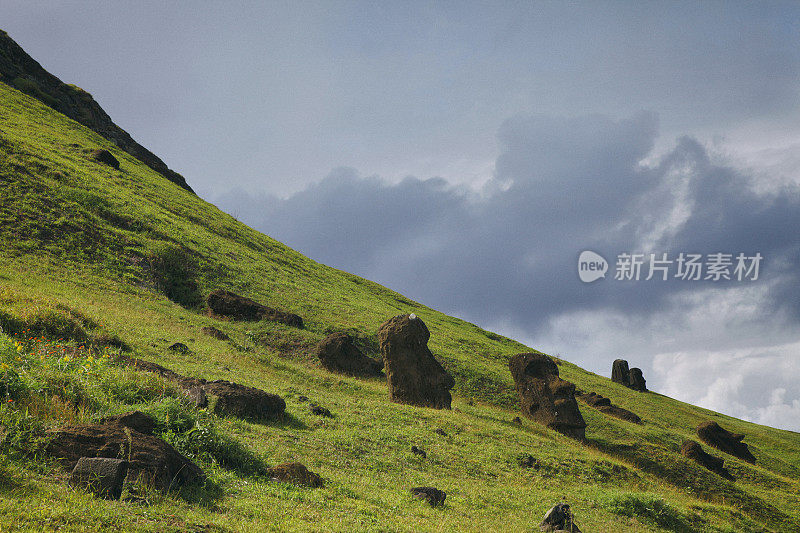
654,511
174,272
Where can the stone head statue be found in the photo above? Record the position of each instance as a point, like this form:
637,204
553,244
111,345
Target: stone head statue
544,396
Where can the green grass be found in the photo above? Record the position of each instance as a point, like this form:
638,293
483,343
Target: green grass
95,260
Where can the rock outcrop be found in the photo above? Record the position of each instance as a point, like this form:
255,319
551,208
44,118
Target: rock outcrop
105,157
559,518
413,374
21,71
695,452
604,405
338,353
226,304
295,473
102,476
231,398
714,435
544,396
433,496
150,460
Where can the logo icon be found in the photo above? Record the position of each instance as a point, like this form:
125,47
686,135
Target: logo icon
591,266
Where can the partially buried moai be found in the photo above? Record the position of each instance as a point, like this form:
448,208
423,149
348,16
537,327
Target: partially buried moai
544,396
413,375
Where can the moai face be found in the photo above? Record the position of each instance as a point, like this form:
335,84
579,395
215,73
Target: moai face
544,396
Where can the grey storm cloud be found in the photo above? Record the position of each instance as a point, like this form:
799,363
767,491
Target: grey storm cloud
509,250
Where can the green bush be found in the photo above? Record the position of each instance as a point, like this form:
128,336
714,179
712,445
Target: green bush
654,511
174,272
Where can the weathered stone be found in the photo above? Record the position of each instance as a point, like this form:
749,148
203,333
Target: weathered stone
620,373
295,473
104,156
320,411
103,476
418,451
433,496
714,435
137,420
197,397
150,459
243,401
604,405
637,381
528,461
544,396
413,374
227,304
695,452
559,518
338,353
211,331
178,347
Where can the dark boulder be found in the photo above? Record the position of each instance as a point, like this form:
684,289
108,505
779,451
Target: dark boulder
178,347
604,405
295,473
243,401
637,381
105,157
136,420
150,460
544,396
714,435
413,374
226,304
695,452
103,476
211,331
320,411
559,518
420,452
433,496
338,353
517,420
528,461
620,373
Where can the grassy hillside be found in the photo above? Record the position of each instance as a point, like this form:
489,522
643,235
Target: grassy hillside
94,261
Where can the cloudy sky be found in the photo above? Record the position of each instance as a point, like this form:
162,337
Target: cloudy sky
465,154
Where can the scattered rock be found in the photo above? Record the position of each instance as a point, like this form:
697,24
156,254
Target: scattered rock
103,476
417,451
226,304
104,156
243,401
338,353
178,347
528,461
695,452
440,431
544,396
320,411
559,518
136,420
517,420
604,405
414,376
620,373
714,435
295,473
197,397
232,399
302,398
211,331
150,459
433,496
637,381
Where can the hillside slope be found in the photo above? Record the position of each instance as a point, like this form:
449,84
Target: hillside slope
94,260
